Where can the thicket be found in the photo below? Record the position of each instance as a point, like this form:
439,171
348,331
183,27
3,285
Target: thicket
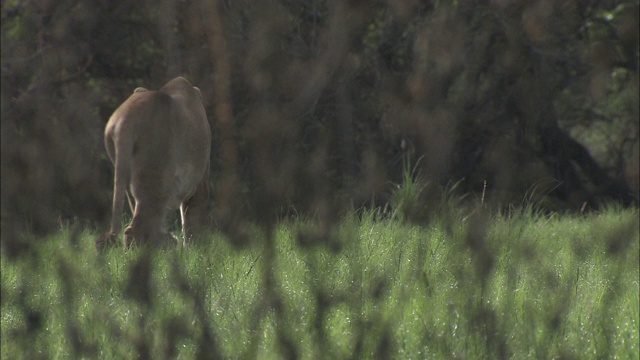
315,104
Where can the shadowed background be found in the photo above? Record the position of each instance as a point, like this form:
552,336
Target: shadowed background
314,104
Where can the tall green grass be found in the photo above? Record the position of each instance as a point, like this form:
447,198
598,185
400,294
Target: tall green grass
519,285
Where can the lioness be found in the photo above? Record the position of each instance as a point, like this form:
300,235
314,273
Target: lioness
159,143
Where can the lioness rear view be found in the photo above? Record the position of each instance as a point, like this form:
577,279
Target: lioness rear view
159,143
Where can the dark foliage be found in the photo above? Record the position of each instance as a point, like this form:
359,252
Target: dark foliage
315,104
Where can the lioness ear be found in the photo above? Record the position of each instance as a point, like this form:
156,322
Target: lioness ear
198,91
139,89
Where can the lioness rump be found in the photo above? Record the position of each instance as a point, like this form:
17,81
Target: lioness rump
159,143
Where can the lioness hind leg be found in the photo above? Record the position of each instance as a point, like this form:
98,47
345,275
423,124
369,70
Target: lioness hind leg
193,212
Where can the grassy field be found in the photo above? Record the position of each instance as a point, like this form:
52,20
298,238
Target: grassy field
522,286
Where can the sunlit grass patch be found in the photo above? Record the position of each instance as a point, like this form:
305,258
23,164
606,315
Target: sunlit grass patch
525,286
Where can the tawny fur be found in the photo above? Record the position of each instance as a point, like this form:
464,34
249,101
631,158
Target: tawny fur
159,143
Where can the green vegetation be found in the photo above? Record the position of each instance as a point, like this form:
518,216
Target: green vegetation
518,285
